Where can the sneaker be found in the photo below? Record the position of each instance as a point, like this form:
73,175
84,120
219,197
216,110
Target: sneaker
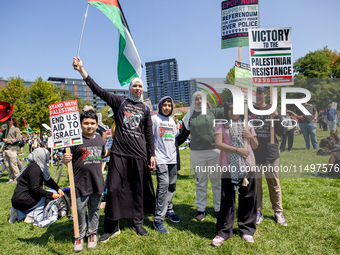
12,215
29,219
92,242
159,226
290,150
11,181
217,241
104,238
279,218
200,216
78,245
140,230
248,238
173,217
259,217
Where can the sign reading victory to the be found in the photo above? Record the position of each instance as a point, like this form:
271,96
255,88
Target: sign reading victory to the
271,57
65,124
238,16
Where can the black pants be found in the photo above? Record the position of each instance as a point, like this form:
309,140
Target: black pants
324,126
112,226
290,135
247,209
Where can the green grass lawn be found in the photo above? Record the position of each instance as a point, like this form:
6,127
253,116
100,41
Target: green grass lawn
311,208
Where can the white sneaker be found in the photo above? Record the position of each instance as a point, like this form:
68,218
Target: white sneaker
29,219
12,215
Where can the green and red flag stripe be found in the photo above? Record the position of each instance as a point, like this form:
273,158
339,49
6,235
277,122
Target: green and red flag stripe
28,129
129,64
272,52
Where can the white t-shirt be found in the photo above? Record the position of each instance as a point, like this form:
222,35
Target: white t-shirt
165,132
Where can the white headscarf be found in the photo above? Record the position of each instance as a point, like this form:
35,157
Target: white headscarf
193,108
40,156
132,97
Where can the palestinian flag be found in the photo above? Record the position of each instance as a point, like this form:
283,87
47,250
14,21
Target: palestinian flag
271,52
28,129
129,64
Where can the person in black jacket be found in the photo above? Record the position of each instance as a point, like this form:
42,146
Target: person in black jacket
29,197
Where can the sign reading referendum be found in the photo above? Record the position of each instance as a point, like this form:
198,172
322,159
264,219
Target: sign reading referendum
271,57
243,79
65,124
238,16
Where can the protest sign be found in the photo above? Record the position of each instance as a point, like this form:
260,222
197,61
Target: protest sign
271,57
65,124
66,132
238,16
334,105
243,79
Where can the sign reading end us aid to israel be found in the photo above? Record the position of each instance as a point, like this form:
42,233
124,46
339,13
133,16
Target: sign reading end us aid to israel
65,124
237,17
271,57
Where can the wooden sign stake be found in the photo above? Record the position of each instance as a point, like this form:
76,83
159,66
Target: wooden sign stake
73,196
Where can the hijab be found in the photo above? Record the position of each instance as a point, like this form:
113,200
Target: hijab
132,97
193,108
160,106
40,156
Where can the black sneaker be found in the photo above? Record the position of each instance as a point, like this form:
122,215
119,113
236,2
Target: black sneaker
200,216
104,238
173,217
140,230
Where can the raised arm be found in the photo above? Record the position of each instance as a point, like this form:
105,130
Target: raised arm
112,100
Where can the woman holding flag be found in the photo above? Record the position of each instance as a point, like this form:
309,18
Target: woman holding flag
130,191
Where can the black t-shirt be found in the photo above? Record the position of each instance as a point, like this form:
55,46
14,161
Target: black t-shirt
87,166
266,152
308,118
133,135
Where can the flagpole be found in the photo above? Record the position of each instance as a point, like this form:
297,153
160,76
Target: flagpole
81,35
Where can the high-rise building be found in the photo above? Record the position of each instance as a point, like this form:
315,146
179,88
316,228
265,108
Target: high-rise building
157,73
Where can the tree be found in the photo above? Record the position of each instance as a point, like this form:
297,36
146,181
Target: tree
230,79
313,65
105,119
15,92
184,103
66,95
334,64
42,94
180,117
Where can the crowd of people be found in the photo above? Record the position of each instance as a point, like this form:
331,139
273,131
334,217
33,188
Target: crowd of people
143,142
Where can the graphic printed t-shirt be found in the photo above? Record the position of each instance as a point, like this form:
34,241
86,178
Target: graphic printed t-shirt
165,132
87,166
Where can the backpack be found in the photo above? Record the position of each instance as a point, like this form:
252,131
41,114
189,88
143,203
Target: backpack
64,206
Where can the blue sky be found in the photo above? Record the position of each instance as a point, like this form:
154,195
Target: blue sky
39,38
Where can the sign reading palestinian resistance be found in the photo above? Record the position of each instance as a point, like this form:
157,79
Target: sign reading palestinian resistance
65,124
243,79
238,16
271,57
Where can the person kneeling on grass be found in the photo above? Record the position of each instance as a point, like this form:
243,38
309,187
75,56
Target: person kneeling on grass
229,138
29,197
165,132
332,168
88,179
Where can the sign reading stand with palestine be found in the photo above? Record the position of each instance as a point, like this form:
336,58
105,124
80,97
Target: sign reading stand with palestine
65,124
238,16
271,57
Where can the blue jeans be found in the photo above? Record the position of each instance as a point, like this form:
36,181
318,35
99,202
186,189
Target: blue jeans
309,129
35,210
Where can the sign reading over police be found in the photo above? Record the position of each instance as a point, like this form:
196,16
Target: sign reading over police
238,16
271,58
65,124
